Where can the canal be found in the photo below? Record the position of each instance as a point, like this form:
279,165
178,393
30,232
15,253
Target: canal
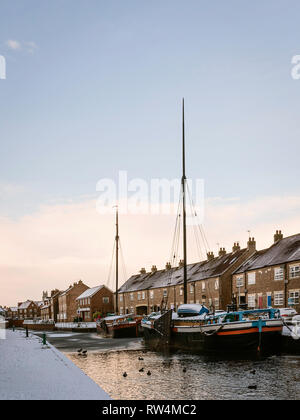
186,376
179,375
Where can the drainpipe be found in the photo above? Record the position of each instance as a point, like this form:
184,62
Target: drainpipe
286,282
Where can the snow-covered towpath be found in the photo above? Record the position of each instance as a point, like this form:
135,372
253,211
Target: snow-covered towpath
29,371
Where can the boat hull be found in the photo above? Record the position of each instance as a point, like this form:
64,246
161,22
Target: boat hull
233,340
129,330
289,345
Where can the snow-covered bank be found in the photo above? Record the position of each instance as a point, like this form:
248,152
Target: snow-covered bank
30,372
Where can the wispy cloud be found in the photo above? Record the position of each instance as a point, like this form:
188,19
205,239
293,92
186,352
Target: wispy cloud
9,190
27,46
13,44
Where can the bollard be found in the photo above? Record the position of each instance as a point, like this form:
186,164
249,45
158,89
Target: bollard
13,327
26,331
44,339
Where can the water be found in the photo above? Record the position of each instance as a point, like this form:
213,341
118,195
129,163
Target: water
205,378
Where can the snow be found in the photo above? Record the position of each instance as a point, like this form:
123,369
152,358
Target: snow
31,371
90,292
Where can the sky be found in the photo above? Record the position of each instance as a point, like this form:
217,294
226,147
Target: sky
95,87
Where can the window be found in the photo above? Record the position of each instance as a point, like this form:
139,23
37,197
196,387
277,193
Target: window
121,298
295,271
203,286
240,281
165,293
210,301
294,296
151,294
181,291
143,295
131,310
251,301
251,278
191,288
139,295
278,298
216,303
217,284
106,300
278,273
131,296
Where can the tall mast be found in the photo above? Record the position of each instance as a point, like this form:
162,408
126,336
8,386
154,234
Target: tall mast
117,258
183,182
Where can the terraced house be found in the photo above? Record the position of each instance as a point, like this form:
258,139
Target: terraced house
271,277
28,310
67,304
209,282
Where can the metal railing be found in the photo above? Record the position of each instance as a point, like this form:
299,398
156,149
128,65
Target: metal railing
75,325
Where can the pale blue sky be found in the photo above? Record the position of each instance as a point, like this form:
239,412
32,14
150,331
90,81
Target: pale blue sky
102,93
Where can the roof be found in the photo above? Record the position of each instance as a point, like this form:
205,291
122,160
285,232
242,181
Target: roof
71,287
284,251
26,304
90,292
174,276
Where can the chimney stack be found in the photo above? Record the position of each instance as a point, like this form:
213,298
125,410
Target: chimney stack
143,270
278,236
168,266
222,252
251,244
153,269
236,247
210,256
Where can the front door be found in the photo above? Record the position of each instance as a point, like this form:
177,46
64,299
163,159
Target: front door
260,302
269,301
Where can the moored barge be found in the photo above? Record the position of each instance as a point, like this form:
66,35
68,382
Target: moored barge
192,328
120,326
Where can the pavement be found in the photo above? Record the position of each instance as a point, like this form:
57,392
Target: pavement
30,370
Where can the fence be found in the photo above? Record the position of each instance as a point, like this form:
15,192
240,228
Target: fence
72,325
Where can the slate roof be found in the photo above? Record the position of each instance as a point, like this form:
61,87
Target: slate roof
90,292
285,251
198,271
26,304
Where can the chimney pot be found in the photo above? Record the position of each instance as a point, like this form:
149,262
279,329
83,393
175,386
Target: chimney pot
154,268
168,266
143,271
278,236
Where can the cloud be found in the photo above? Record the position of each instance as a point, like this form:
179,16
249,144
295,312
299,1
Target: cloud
9,190
62,243
13,44
27,46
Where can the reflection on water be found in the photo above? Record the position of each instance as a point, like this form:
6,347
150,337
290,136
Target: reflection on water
186,376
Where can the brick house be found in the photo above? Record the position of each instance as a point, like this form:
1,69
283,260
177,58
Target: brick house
209,283
49,310
271,277
12,312
46,311
97,299
67,304
28,310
